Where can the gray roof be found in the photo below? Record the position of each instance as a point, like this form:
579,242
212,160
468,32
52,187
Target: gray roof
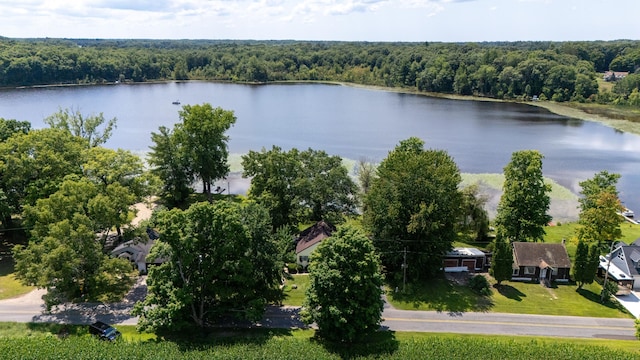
627,258
540,254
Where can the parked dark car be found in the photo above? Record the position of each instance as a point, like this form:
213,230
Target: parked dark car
104,331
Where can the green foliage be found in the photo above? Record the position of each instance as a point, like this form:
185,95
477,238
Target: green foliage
344,297
300,186
168,160
609,289
63,254
220,262
475,218
33,165
480,285
86,128
202,132
522,211
414,204
638,328
585,263
502,260
11,127
276,344
599,210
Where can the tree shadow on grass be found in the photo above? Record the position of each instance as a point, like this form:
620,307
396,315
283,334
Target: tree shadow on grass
509,292
379,345
443,296
593,297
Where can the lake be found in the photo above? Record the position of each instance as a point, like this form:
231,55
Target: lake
354,123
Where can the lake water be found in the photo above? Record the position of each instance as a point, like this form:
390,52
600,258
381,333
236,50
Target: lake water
354,123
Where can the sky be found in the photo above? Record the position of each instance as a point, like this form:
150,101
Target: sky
347,20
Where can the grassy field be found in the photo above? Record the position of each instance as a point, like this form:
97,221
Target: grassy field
9,286
45,341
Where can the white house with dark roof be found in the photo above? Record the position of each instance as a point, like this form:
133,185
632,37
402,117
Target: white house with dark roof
309,240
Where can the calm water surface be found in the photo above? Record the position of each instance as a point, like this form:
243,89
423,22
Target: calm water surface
354,123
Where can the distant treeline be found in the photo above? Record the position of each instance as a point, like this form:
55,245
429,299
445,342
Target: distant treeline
561,71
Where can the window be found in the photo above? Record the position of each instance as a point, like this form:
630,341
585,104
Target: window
516,272
304,259
554,271
530,270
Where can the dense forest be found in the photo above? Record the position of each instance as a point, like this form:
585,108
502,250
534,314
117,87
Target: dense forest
559,71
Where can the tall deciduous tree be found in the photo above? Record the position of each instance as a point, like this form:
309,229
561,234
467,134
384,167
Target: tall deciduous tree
33,165
10,127
599,210
502,260
300,186
87,127
475,219
344,295
414,205
63,254
219,262
522,211
169,162
203,135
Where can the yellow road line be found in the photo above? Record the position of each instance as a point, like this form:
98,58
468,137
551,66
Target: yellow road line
510,323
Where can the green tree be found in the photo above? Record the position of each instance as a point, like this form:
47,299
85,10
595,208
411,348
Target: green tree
586,263
63,254
502,260
169,162
211,270
344,295
33,165
475,218
599,210
522,211
10,127
202,132
87,128
414,205
300,186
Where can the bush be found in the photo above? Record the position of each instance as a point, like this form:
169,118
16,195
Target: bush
480,285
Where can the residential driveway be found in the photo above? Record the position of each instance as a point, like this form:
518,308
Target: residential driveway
631,302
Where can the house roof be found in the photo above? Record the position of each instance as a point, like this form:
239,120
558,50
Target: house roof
138,249
465,252
627,259
313,235
541,255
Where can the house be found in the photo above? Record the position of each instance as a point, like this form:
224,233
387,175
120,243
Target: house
137,251
540,262
463,259
309,240
614,75
623,265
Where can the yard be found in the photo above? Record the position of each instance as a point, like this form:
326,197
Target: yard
295,289
510,297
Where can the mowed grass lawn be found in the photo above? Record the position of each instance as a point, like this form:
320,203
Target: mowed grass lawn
510,297
9,286
295,289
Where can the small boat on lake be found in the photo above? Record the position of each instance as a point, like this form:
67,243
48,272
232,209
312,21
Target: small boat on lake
628,212
176,102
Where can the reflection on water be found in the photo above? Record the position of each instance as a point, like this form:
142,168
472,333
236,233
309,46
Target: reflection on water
355,123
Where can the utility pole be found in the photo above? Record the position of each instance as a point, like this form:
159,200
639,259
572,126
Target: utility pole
606,275
404,270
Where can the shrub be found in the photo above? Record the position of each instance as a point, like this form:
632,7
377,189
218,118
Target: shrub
480,285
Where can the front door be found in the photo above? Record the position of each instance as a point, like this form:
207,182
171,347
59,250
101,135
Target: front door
543,273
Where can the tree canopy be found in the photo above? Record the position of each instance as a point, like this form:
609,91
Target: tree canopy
300,186
600,210
344,295
220,262
522,211
85,127
414,205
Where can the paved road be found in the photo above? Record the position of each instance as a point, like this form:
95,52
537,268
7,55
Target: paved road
30,309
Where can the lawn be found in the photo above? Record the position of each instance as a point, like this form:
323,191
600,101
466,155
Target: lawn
9,286
510,297
295,289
